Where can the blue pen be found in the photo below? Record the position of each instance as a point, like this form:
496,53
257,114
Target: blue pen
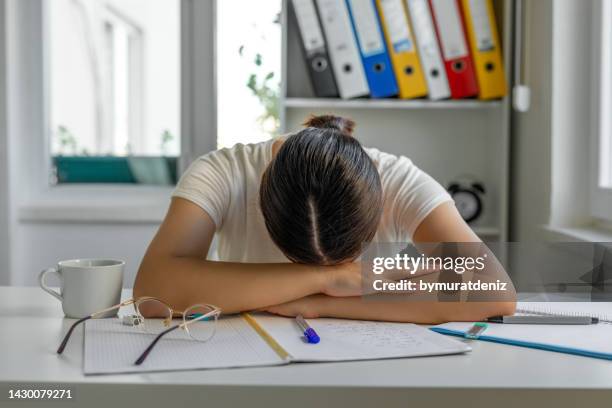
311,336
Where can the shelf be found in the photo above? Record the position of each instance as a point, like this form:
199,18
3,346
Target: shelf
486,231
327,103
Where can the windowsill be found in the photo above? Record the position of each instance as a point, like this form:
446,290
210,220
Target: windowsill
98,204
584,234
85,213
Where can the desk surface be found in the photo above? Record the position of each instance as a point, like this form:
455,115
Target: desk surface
32,325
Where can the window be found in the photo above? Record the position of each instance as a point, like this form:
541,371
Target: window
601,189
114,90
123,52
248,70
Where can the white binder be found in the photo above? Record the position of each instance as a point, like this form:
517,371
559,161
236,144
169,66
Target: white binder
342,48
429,50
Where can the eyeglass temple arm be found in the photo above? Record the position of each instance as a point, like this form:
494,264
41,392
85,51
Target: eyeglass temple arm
198,318
144,355
62,346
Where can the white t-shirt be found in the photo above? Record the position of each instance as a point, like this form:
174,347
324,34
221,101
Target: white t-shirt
225,184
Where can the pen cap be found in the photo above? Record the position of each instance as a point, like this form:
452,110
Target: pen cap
311,336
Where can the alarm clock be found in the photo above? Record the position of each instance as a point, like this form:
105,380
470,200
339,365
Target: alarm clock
468,198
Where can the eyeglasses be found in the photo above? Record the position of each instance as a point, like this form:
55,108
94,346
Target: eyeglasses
153,316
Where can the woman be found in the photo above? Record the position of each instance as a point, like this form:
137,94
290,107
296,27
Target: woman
292,216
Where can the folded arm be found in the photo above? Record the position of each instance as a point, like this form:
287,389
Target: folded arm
391,308
444,224
175,269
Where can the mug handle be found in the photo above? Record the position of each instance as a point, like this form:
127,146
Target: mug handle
43,285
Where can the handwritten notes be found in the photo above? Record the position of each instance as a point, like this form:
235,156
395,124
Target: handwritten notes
358,340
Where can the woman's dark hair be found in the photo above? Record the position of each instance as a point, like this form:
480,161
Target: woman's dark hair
321,195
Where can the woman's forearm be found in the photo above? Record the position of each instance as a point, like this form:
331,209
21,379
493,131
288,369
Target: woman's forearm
423,307
413,312
395,308
234,287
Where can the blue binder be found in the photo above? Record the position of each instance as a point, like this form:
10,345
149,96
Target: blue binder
530,344
372,48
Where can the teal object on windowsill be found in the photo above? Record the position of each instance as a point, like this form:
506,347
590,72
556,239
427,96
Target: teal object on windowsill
116,170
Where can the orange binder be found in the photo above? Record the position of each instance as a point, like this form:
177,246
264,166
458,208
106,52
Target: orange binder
402,49
486,48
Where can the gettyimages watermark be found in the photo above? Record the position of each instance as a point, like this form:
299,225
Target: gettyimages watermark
476,271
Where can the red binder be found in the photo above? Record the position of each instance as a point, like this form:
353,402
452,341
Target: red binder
455,50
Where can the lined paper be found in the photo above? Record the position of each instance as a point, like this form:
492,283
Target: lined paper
111,347
343,340
601,310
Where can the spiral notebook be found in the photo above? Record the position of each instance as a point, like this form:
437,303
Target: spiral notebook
601,310
591,340
257,340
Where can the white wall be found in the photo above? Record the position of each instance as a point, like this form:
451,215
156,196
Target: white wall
40,245
25,113
571,102
4,156
531,134
551,141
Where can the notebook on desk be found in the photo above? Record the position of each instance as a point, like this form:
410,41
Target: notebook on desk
258,340
600,310
593,340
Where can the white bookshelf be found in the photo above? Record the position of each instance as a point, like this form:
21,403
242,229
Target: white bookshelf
334,103
447,139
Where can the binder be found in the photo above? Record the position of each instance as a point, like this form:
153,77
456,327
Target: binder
402,49
342,48
454,47
314,49
429,51
372,48
485,46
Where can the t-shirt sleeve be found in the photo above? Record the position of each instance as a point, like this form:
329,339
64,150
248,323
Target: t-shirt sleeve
411,193
207,183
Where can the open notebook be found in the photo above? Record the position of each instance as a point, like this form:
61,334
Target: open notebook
258,340
593,340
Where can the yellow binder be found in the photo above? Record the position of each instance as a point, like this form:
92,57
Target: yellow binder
486,48
402,49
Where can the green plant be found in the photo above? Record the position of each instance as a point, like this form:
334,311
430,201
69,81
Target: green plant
67,143
267,90
166,138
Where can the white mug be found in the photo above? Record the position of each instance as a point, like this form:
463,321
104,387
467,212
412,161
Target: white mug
87,285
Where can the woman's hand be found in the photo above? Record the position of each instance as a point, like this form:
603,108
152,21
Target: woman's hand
344,280
353,279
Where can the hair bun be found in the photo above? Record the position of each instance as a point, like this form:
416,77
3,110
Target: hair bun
343,125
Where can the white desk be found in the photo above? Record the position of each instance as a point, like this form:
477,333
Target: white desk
32,325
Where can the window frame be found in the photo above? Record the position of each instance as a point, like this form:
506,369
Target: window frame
601,87
6,221
38,199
